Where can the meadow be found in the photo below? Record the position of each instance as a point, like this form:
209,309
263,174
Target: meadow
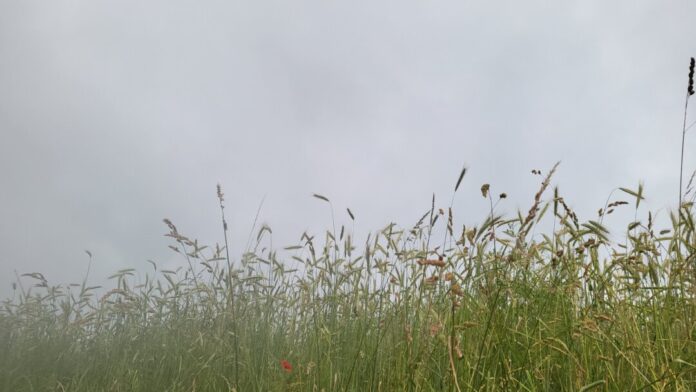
503,305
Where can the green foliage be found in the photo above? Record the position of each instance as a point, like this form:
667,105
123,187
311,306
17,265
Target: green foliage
492,309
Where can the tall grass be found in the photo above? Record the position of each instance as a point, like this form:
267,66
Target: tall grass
496,307
492,307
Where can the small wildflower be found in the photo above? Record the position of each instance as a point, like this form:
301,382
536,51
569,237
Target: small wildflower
287,367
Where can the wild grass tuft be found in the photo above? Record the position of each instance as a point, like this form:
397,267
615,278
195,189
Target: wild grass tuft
495,307
510,304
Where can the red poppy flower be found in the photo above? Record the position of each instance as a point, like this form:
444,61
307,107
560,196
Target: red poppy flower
287,367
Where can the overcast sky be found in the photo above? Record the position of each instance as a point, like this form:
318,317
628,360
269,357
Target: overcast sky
116,114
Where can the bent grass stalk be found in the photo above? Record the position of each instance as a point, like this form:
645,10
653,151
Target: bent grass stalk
230,287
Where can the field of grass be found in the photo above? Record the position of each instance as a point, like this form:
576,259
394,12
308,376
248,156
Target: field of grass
501,306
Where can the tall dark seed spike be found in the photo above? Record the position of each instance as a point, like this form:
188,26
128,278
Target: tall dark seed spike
350,213
461,176
691,76
220,195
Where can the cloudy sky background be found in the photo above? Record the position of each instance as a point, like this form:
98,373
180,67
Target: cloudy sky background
116,114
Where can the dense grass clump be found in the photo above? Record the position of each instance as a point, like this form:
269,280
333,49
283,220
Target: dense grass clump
493,307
